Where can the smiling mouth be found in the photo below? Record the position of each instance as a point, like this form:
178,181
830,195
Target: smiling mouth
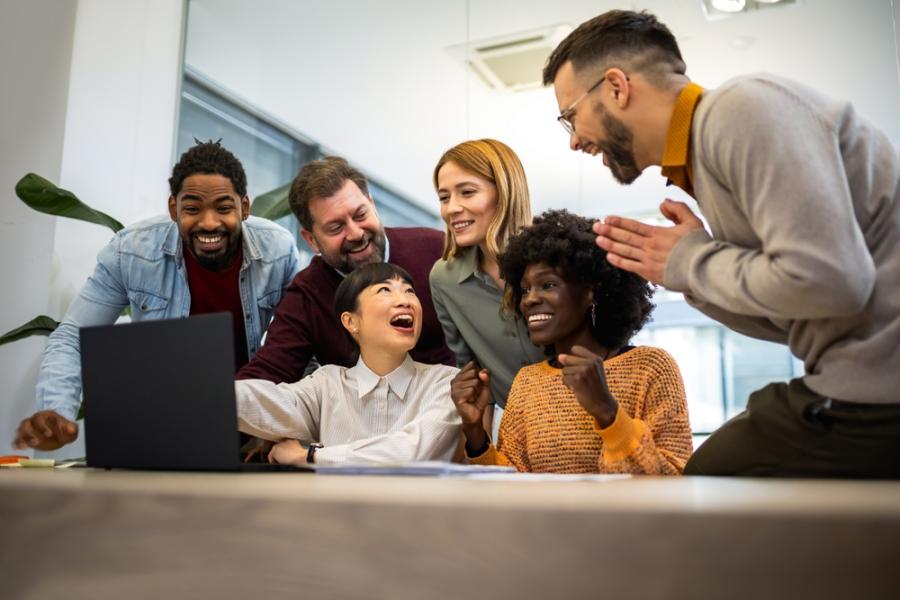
538,319
359,249
403,322
209,242
461,225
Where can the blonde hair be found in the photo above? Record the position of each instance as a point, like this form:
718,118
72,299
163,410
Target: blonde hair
496,162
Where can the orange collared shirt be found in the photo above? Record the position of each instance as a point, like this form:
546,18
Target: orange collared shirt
676,162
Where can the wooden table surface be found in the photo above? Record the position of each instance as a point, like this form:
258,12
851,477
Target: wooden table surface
81,533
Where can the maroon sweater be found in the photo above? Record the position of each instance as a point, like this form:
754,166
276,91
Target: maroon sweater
305,324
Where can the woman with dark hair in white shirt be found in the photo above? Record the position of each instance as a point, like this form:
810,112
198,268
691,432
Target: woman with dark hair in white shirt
386,408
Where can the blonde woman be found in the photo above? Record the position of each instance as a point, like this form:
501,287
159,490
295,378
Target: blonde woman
484,201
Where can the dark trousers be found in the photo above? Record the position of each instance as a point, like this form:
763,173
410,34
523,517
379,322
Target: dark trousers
790,431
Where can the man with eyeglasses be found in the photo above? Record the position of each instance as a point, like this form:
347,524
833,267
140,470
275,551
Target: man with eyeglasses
802,197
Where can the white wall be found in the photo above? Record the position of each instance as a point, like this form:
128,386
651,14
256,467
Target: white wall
109,140
374,81
33,97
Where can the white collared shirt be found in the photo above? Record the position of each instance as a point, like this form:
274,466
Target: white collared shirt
359,416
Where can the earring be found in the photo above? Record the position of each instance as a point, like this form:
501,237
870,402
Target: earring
593,315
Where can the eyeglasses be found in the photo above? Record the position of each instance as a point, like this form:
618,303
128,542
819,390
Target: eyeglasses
564,116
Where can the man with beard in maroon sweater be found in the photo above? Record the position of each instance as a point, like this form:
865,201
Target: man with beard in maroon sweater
338,218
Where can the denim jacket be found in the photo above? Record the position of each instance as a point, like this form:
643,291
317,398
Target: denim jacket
143,268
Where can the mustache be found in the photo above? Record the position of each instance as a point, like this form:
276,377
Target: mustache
359,244
221,231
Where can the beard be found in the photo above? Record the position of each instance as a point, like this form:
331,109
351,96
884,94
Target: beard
618,148
220,259
345,262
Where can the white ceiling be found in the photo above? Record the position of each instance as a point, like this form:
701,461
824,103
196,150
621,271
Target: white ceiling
373,81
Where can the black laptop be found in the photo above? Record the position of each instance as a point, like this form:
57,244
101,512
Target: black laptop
160,395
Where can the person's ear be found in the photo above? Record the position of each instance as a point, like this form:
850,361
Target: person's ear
310,239
173,208
350,323
245,207
620,86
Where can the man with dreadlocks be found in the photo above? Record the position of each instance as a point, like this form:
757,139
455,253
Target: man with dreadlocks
207,255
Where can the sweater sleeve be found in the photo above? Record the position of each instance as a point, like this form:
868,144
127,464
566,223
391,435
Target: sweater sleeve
756,327
660,442
511,447
781,165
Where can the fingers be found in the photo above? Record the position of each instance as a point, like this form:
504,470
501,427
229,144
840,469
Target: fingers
634,266
579,355
583,352
484,397
628,226
469,366
679,213
484,376
466,374
41,422
45,430
25,436
64,430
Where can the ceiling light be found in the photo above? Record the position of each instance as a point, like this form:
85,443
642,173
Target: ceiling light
729,6
714,10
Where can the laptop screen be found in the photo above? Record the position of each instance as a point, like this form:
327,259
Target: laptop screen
160,394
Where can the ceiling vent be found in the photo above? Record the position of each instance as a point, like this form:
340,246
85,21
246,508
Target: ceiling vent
511,62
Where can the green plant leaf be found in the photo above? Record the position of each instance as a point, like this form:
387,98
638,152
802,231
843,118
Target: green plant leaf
272,205
41,325
43,196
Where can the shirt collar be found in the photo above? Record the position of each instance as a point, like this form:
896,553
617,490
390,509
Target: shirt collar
468,262
676,164
398,379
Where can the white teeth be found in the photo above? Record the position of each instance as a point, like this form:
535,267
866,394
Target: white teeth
462,224
539,317
209,239
402,321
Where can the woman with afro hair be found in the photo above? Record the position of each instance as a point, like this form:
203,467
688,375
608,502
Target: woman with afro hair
597,404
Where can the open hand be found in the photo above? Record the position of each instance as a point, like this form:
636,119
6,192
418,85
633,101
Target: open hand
583,373
645,249
45,430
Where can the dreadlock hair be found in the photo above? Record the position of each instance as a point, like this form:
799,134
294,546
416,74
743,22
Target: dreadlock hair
565,242
208,158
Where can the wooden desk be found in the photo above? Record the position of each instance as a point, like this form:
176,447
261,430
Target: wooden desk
95,534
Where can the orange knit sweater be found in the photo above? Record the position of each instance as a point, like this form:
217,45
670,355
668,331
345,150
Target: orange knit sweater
545,429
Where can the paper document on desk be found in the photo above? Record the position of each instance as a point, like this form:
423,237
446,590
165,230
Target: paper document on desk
427,468
42,463
556,477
